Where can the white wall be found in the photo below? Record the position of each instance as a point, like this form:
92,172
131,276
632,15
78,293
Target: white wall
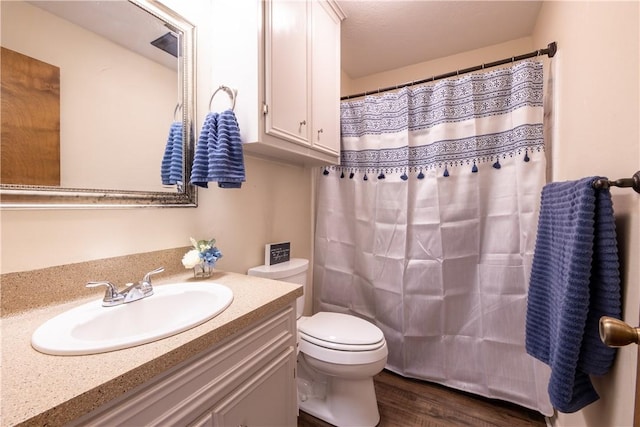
273,205
596,132
428,69
596,122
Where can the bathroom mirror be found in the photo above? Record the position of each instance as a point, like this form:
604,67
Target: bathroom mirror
120,77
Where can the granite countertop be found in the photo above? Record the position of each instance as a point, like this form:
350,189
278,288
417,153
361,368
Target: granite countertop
39,389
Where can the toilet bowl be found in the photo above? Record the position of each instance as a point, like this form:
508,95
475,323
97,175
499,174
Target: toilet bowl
338,355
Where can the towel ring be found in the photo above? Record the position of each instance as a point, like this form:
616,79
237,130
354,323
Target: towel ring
178,108
231,92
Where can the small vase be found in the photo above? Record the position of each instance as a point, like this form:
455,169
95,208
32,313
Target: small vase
203,270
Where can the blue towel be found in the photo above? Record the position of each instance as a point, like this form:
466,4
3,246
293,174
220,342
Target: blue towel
574,281
226,162
218,154
201,157
171,168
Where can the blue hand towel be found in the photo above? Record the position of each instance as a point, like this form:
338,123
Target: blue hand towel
226,162
218,155
574,281
171,167
200,167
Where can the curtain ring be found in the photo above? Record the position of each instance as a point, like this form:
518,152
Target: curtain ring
513,59
231,92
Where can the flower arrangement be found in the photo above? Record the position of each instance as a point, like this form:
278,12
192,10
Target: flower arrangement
202,258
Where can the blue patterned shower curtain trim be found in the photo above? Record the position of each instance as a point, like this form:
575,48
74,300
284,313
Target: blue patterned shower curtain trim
508,102
457,152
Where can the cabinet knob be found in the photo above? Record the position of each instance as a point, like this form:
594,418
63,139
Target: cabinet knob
319,132
302,123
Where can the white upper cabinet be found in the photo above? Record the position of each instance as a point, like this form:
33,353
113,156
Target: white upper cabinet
325,78
287,74
283,57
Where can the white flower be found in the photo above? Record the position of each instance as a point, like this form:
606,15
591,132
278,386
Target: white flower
191,258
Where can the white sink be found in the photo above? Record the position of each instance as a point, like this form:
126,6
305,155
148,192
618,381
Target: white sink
91,328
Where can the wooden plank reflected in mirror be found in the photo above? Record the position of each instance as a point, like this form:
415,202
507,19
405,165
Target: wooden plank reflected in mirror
30,121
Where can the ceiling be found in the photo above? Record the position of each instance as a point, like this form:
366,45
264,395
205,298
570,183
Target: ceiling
377,35
381,35
121,22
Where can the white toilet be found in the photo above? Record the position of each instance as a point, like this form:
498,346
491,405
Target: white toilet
338,355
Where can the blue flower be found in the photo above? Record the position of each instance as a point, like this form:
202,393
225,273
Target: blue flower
211,255
205,250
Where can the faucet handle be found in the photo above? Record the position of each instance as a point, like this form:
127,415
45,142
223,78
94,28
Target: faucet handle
111,294
145,284
147,277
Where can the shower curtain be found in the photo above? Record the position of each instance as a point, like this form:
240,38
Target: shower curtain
427,228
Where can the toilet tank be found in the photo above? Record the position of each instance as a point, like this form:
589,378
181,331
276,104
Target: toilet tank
292,271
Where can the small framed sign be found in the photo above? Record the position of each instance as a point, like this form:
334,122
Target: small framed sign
275,253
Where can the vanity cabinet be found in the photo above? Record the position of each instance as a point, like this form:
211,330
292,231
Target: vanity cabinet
257,402
288,102
247,379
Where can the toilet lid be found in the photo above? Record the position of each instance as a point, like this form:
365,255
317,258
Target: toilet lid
278,271
341,328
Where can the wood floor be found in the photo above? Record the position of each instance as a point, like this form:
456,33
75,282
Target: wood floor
405,402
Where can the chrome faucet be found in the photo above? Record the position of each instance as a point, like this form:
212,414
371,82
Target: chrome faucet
132,291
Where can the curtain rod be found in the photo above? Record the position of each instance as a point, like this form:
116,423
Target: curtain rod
551,50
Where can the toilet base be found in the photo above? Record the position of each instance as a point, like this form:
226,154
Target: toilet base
338,401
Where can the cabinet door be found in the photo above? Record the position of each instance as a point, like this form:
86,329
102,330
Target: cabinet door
287,89
325,135
268,399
